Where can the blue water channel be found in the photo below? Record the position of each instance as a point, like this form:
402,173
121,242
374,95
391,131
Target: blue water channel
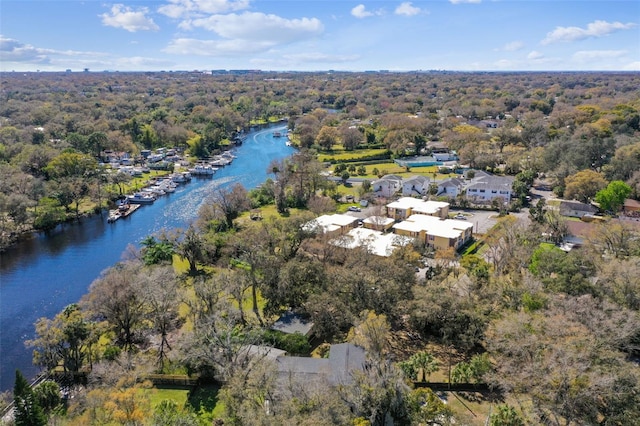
41,276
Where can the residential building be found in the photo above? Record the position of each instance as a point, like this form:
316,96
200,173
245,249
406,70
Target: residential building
344,359
435,232
415,186
333,224
485,187
378,223
407,206
375,242
573,208
451,187
387,185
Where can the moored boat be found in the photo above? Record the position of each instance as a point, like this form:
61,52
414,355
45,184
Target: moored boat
141,198
202,170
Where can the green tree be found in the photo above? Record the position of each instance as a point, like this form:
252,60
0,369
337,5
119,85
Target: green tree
71,164
48,396
419,366
168,413
505,415
28,411
327,137
157,251
612,197
426,408
584,185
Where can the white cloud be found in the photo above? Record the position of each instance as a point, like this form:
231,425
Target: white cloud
594,29
407,9
122,16
189,46
360,12
533,55
198,8
12,50
633,66
464,1
260,28
513,46
595,55
317,57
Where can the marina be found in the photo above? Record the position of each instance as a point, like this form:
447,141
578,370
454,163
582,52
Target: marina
43,274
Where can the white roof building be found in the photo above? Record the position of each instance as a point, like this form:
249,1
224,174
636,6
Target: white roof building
375,242
406,206
331,223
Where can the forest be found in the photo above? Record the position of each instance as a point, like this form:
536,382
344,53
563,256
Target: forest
545,336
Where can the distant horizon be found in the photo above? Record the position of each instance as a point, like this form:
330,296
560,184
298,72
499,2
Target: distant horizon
317,35
258,71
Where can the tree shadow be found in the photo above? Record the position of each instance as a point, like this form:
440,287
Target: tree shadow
204,398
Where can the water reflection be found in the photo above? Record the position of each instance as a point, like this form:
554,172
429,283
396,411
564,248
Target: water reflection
43,274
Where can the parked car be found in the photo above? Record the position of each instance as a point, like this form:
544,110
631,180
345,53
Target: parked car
354,209
460,217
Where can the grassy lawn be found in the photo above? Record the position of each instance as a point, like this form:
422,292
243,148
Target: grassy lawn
204,400
342,155
394,169
157,395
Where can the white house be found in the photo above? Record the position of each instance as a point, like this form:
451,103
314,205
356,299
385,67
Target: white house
331,224
415,186
485,187
375,242
387,185
406,206
451,187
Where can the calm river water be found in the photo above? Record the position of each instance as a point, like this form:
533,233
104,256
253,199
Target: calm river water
41,276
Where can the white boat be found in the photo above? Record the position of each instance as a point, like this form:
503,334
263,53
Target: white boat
113,216
202,170
141,198
179,178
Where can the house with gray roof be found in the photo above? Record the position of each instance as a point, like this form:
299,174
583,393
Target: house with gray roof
485,187
387,185
344,359
415,186
451,187
573,208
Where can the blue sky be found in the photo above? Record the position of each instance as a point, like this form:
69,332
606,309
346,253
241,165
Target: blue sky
468,35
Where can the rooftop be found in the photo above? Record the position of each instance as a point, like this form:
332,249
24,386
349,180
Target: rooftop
376,242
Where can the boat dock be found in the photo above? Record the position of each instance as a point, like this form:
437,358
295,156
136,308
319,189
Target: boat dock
122,211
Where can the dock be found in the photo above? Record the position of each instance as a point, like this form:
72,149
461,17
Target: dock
114,215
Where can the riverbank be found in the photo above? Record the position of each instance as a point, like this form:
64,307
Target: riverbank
46,272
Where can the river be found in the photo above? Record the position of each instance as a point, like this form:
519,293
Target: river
42,275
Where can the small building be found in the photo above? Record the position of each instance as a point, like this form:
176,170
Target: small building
344,359
485,187
333,224
291,323
445,156
415,186
451,187
407,206
631,208
375,242
573,208
378,223
435,232
387,185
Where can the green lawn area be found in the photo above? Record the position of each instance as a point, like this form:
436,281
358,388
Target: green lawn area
157,395
203,399
394,169
342,155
